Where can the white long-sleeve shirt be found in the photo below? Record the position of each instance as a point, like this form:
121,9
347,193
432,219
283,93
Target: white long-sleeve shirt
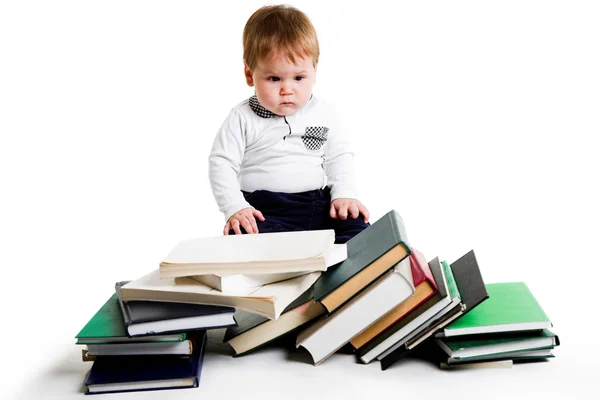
258,150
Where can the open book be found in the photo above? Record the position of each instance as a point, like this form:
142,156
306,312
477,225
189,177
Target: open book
265,253
268,300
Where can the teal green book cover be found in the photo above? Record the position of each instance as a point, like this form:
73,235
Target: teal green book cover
107,325
510,307
452,287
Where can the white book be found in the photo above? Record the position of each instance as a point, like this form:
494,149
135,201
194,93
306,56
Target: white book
329,334
265,253
234,282
268,300
399,337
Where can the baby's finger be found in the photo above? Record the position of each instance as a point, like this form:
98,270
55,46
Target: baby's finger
332,212
343,212
227,228
253,225
364,212
258,215
235,224
247,225
353,211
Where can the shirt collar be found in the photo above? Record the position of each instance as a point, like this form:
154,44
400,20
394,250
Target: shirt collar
259,109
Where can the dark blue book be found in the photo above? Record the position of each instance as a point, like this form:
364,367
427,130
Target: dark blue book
138,373
153,317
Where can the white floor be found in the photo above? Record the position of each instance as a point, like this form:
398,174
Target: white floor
276,373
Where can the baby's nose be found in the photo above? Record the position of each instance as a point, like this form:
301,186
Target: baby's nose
286,89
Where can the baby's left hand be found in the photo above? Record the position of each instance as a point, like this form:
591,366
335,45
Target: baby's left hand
341,208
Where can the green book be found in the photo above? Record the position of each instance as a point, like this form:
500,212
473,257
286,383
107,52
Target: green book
452,287
511,307
107,326
470,347
371,254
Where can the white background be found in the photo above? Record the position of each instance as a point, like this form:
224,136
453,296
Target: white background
475,120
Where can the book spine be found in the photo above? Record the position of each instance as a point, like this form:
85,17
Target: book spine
124,308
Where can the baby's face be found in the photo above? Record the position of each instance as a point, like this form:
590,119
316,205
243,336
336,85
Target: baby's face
283,87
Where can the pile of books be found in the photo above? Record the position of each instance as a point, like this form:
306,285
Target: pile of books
510,326
151,332
375,294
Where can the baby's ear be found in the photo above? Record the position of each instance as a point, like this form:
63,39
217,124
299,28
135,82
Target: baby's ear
248,74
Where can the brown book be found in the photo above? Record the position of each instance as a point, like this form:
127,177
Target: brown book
425,287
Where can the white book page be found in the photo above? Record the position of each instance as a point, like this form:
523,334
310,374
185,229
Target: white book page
279,246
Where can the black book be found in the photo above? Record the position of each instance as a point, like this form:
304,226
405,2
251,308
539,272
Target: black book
472,292
153,317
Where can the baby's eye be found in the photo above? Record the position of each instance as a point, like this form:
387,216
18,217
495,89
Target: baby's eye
299,78
273,79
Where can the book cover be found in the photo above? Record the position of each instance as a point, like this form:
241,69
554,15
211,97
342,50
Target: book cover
138,373
472,290
107,326
152,317
371,254
465,347
511,307
469,281
268,301
267,253
425,287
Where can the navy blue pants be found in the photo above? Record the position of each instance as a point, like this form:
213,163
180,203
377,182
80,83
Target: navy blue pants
304,211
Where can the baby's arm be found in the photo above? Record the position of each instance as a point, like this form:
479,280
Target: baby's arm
224,165
339,168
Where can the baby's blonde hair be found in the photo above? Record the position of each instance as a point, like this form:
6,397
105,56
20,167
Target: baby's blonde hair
279,29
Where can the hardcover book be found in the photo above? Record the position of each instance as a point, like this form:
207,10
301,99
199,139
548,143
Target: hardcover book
136,373
400,330
152,317
468,347
371,254
107,326
511,307
329,334
425,287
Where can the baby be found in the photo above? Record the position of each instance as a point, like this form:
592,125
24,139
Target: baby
279,161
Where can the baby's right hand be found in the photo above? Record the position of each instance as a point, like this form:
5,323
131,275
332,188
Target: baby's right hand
244,218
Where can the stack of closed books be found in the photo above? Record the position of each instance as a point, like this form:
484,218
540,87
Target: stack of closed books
511,326
147,345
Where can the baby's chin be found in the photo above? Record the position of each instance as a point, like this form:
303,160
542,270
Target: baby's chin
286,109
